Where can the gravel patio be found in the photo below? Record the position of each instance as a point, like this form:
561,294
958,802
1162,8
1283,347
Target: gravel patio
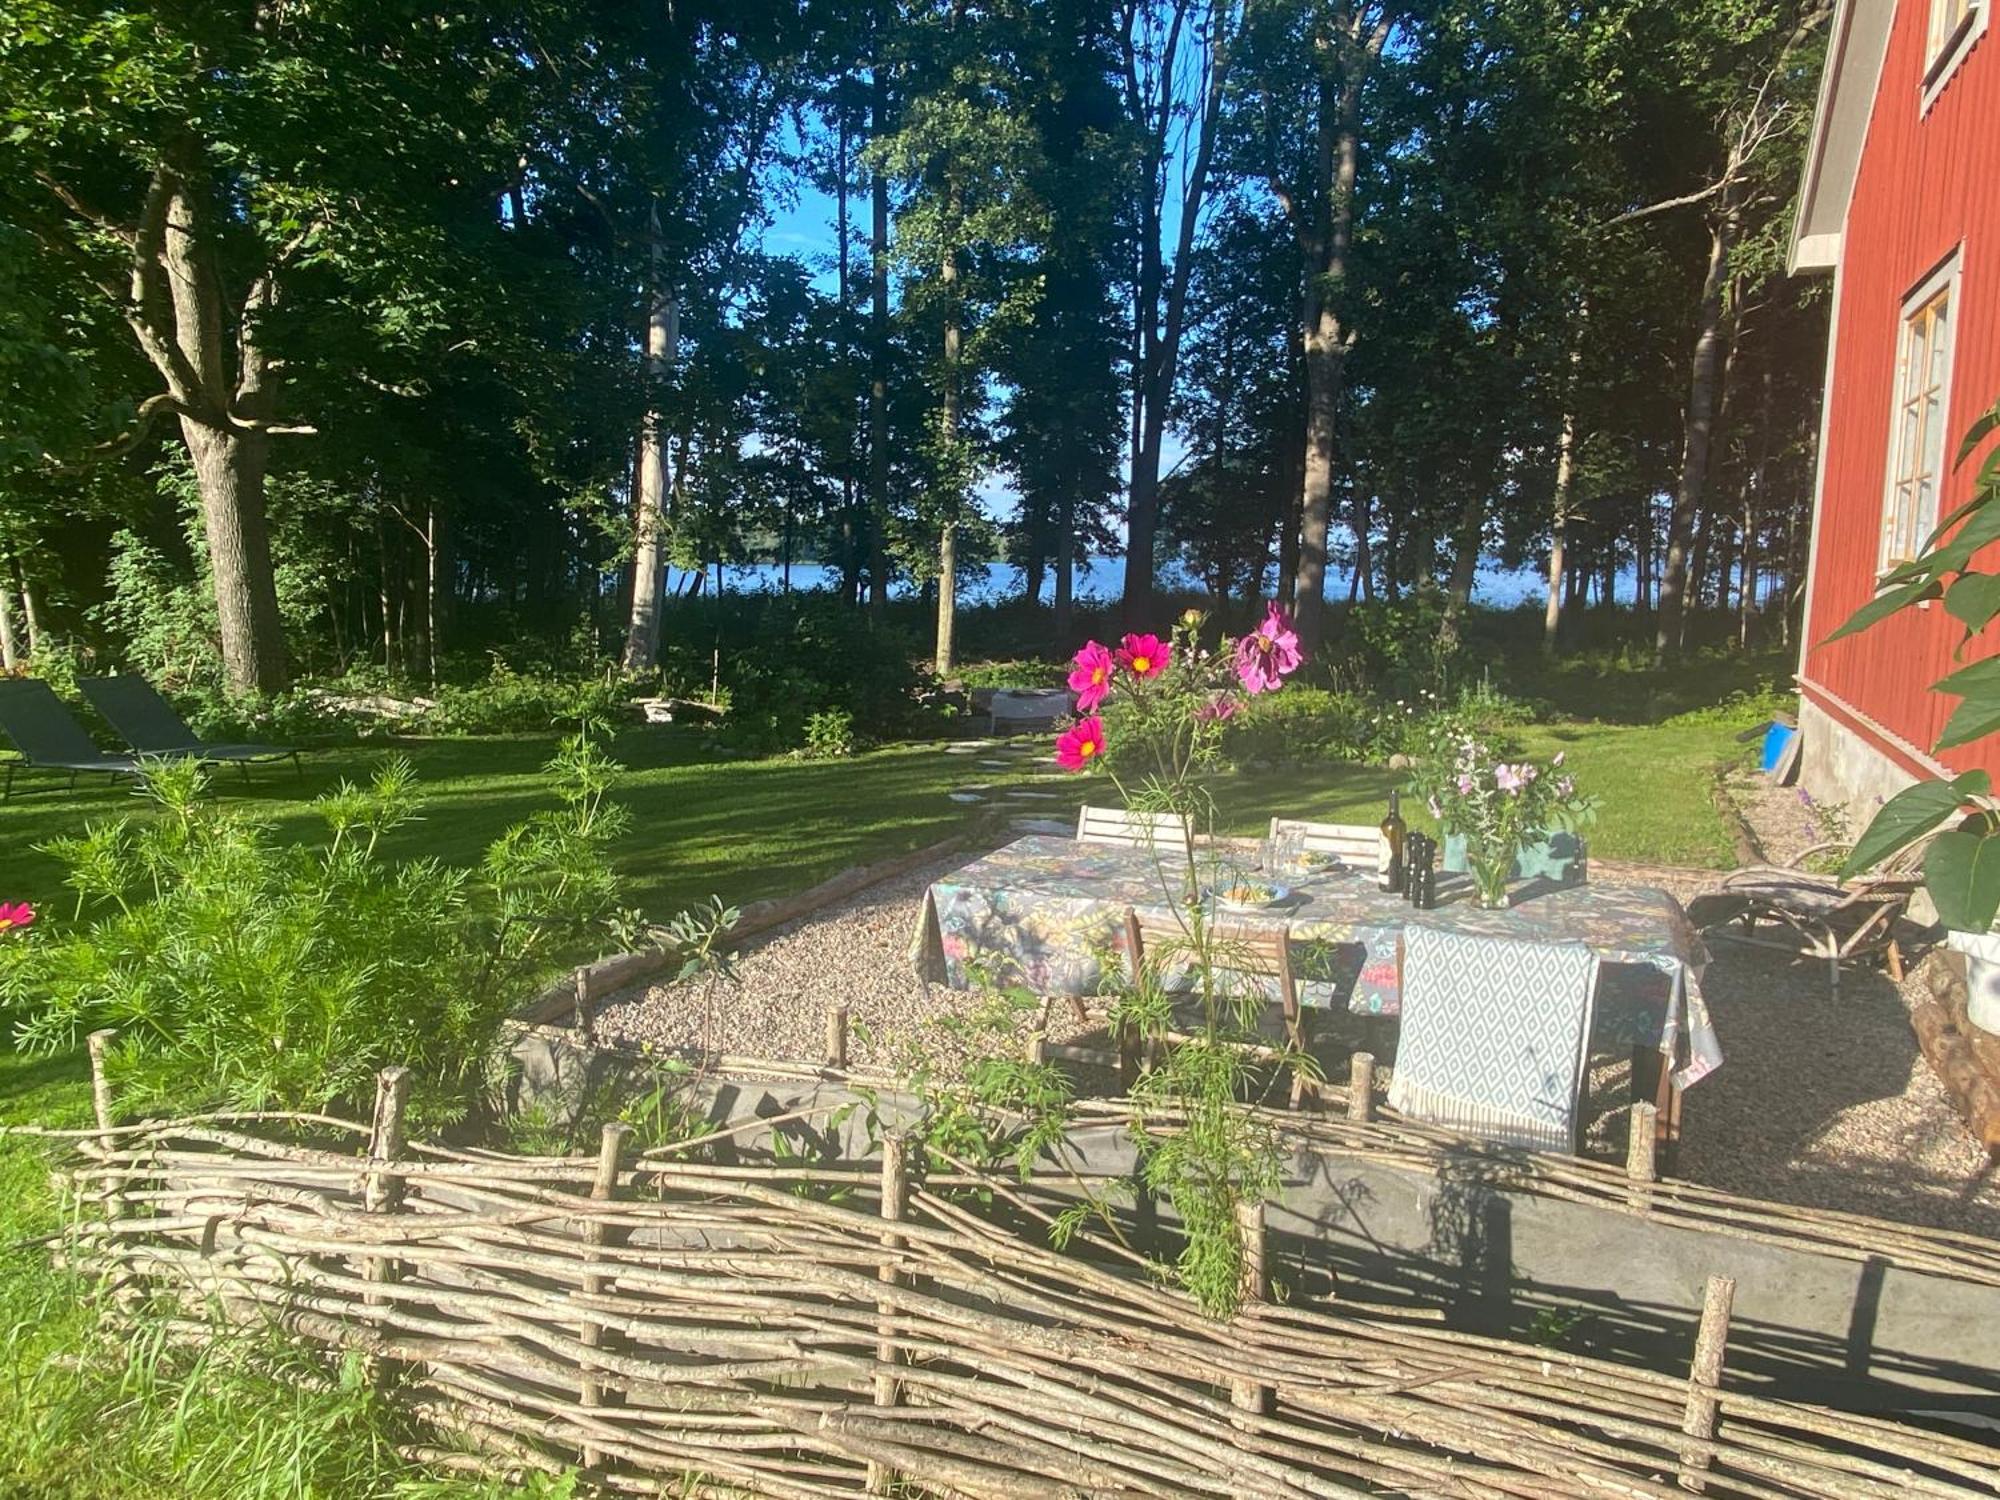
1821,1101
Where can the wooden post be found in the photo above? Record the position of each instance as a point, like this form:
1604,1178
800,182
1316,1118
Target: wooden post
836,1038
1038,1047
99,1043
1705,1377
1640,1170
586,1023
895,1199
603,1189
382,1190
1248,1395
1361,1087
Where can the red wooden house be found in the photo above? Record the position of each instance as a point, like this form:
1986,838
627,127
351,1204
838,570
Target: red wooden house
1901,202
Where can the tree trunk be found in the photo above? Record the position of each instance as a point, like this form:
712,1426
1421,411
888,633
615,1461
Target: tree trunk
1559,520
1710,337
229,475
1066,562
1468,543
947,596
1325,355
642,635
878,343
1364,556
10,653
1753,500
1156,327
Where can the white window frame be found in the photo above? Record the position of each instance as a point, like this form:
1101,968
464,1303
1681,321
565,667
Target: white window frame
1943,54
1944,279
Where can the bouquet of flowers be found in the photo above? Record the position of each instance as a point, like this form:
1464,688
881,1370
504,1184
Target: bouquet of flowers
1497,806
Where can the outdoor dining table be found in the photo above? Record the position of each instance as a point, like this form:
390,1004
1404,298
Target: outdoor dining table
1048,912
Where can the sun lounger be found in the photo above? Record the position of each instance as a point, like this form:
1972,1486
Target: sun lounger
150,725
38,725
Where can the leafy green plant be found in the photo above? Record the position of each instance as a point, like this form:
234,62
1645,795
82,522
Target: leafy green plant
1962,864
829,734
245,971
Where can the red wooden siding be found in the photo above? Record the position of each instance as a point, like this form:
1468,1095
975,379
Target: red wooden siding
1928,184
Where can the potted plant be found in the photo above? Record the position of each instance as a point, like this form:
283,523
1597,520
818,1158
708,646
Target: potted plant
1500,810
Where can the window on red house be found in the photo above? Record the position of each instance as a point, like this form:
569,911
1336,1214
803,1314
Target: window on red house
1917,444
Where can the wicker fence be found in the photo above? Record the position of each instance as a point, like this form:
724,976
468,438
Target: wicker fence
829,1331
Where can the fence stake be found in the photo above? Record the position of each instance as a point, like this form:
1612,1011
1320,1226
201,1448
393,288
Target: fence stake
1705,1377
99,1043
1361,1087
586,1024
1640,1169
895,1198
1248,1395
382,1192
836,1038
603,1188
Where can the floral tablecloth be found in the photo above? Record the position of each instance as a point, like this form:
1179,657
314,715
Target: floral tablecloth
1049,912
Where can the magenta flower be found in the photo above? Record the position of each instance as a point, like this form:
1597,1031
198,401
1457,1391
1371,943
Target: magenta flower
1219,709
1143,655
16,914
1080,744
1090,678
1268,655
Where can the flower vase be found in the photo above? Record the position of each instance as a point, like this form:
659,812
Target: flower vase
1490,870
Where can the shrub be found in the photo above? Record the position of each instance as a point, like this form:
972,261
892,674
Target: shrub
511,702
246,972
1299,727
829,734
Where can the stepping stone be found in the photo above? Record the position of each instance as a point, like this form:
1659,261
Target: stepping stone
966,797
1018,795
961,749
1042,825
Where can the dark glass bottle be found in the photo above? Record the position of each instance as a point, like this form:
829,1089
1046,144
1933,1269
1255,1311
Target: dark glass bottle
1389,848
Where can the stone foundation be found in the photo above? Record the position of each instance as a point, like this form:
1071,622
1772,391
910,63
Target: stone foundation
1838,765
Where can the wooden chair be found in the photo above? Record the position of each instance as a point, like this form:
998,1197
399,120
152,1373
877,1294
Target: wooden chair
1353,844
1494,1035
1255,951
1797,910
1132,830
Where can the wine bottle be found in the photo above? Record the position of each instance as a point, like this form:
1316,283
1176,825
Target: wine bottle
1389,847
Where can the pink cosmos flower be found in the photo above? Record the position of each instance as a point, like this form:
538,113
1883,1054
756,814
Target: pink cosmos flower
1080,744
16,914
1221,709
1090,678
1268,655
1508,778
1465,786
1143,655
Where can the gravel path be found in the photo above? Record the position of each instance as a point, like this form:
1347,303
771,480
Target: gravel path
1820,1101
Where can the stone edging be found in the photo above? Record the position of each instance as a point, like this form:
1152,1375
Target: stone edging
556,1005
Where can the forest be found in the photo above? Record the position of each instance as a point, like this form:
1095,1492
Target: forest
345,337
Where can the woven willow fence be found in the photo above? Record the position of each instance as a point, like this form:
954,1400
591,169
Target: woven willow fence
835,1331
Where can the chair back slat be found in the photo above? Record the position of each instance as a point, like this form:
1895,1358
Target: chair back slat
1494,1035
134,707
1350,843
1131,830
41,727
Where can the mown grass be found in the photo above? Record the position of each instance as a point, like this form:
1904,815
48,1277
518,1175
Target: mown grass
85,1415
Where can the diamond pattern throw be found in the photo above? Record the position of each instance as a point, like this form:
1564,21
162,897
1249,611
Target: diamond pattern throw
1493,1035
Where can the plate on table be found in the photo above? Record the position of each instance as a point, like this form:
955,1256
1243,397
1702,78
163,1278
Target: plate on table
1320,862
1249,895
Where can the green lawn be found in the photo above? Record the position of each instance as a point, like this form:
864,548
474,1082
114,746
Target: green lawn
107,1429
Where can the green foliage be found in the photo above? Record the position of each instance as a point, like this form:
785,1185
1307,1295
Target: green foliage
829,734
506,701
1300,726
1962,866
245,971
781,659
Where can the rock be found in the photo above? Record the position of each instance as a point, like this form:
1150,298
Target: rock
1401,762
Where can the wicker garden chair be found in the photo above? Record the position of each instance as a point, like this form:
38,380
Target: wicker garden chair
1796,909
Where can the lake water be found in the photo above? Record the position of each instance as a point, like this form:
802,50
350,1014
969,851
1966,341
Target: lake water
1501,588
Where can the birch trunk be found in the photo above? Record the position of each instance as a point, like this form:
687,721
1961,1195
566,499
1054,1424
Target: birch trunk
642,635
1559,509
878,345
10,654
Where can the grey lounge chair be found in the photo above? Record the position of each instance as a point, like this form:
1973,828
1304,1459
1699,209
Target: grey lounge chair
150,725
35,720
